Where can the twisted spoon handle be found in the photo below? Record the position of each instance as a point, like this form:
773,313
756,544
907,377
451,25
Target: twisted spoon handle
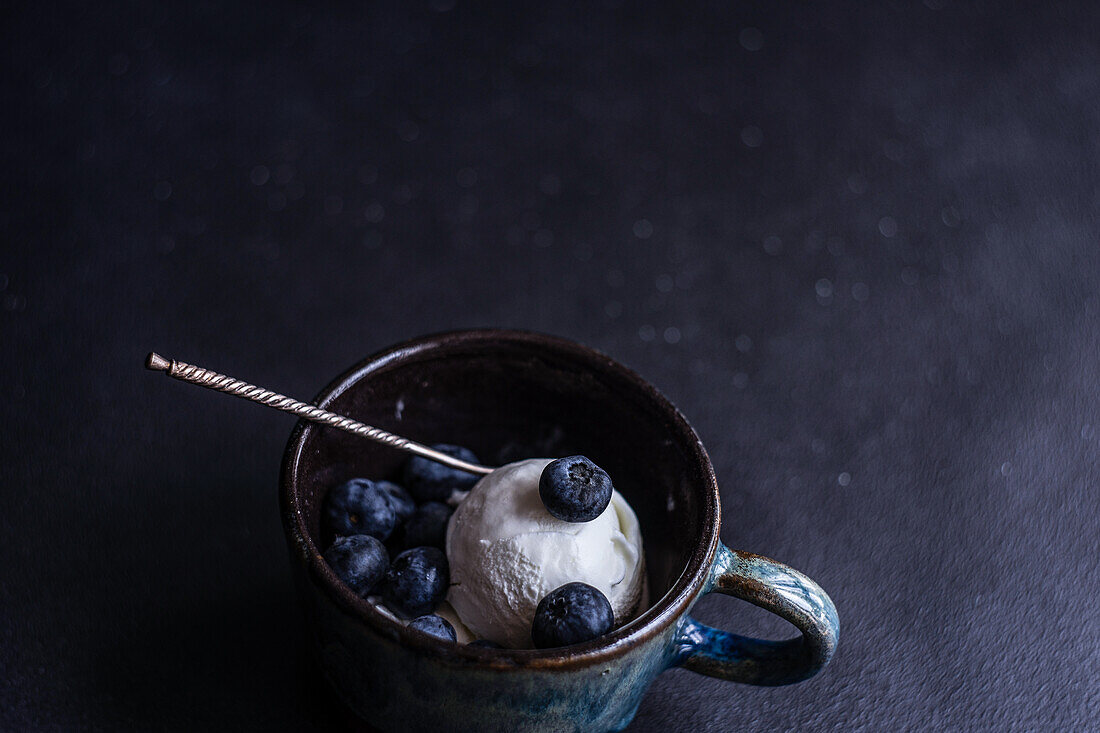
222,383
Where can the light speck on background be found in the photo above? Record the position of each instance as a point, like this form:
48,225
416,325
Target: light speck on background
994,233
751,39
752,136
466,177
368,175
119,64
374,212
143,39
650,162
893,150
468,206
550,184
408,131
284,172
643,229
530,220
888,227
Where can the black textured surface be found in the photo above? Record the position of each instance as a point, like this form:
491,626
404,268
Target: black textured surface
858,245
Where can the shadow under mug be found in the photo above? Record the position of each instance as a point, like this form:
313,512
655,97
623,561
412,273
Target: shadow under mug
511,395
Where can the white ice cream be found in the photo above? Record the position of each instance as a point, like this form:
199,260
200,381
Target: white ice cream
506,552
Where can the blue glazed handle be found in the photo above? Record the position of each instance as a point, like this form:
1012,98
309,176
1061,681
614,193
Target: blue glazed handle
779,589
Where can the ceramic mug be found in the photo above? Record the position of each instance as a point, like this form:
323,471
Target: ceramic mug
511,395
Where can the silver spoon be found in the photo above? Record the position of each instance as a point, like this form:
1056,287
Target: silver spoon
212,380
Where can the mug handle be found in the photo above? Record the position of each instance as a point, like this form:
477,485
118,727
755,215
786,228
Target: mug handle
777,588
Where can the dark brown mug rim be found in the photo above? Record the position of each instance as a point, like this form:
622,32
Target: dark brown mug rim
670,607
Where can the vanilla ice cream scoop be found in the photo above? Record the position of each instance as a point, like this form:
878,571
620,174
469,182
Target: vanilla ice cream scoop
506,552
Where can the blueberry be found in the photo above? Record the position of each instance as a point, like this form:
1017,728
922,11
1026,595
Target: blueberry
431,481
427,527
485,644
360,506
359,560
573,613
403,504
574,489
417,581
436,626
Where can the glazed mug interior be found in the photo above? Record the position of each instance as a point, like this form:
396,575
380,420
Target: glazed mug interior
513,395
510,396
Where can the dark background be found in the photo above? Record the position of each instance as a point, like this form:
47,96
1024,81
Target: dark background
858,245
